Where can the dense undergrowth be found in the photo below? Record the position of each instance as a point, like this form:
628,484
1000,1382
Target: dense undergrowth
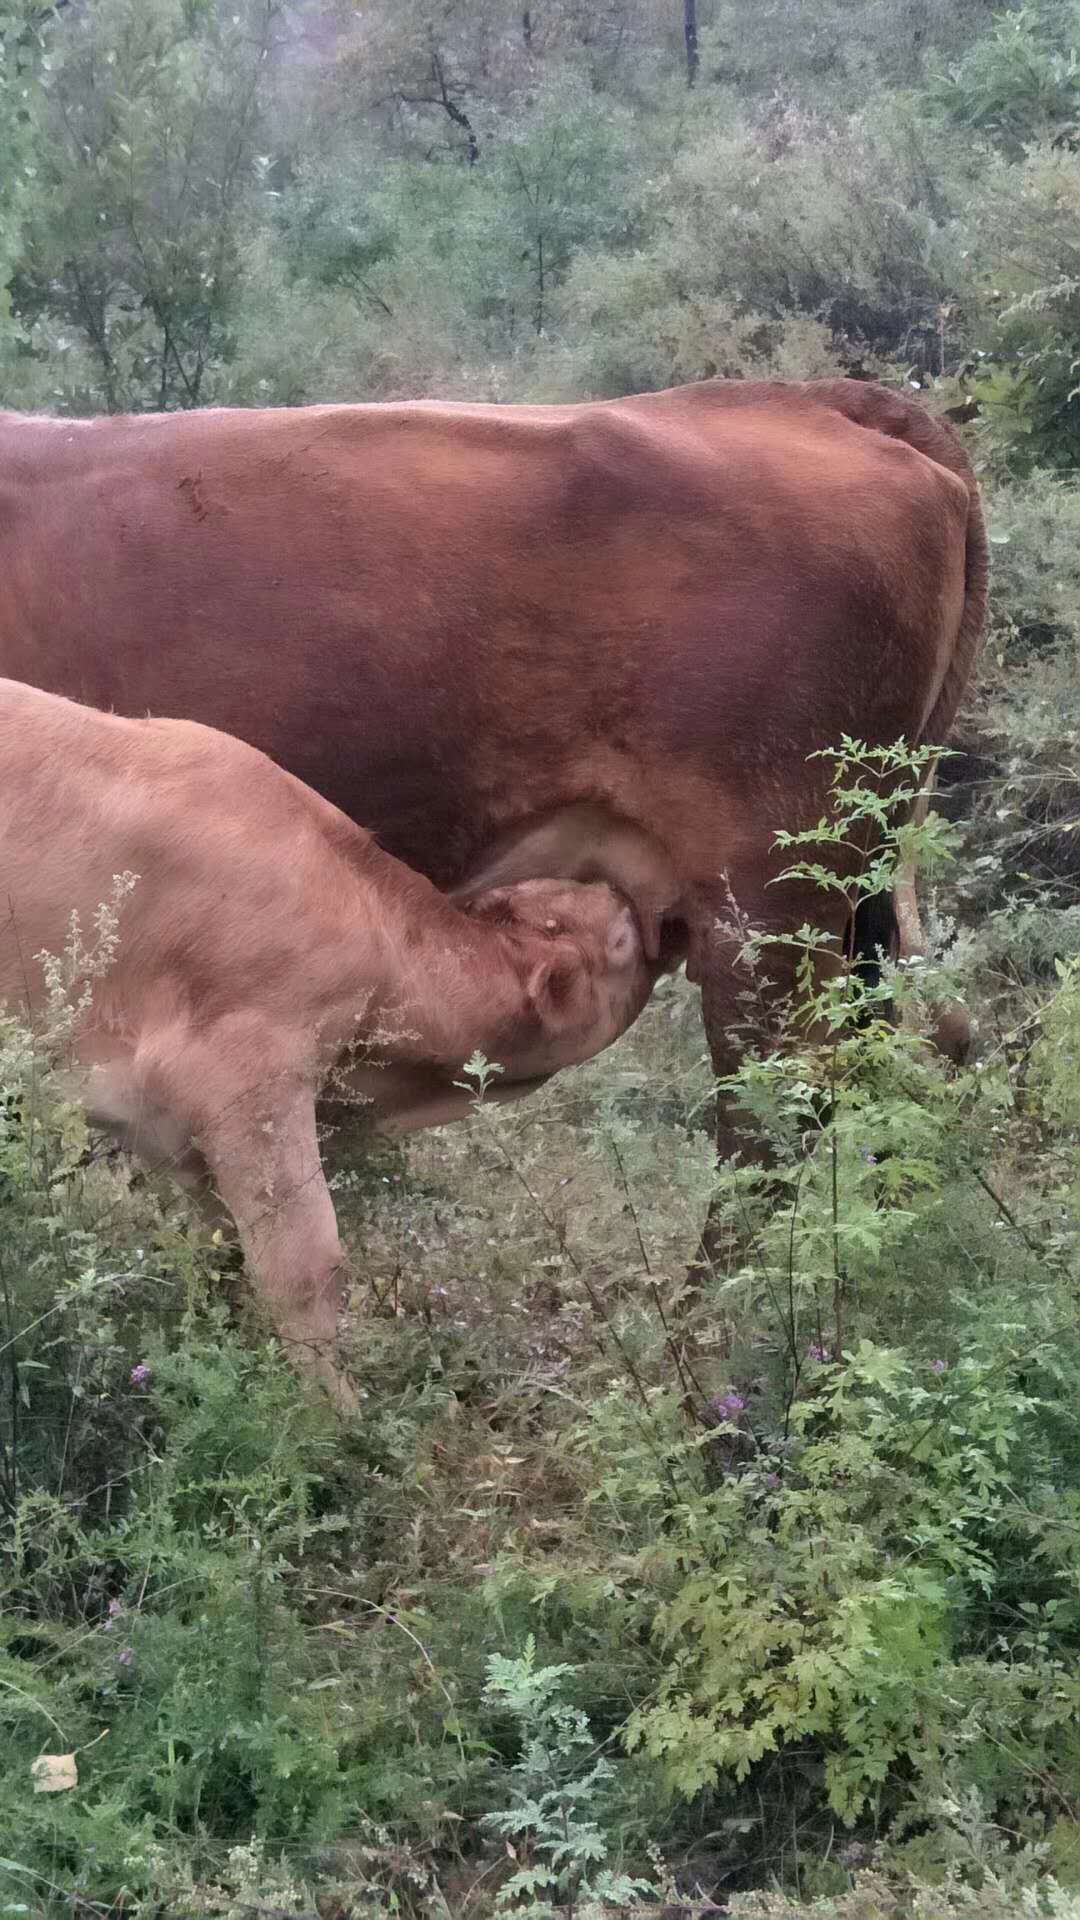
616,1589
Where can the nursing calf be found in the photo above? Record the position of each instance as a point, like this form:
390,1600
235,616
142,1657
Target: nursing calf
268,941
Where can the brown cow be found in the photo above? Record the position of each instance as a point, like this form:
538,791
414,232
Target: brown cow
267,937
624,625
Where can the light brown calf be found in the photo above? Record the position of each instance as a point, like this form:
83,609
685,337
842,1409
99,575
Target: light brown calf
268,940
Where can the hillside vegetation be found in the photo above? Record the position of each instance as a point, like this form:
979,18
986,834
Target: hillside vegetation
761,1594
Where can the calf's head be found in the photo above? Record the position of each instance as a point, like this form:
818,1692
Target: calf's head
585,977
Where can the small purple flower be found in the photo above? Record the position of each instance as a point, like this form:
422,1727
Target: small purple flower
817,1353
125,1656
939,1366
728,1405
772,1481
871,1159
114,1608
140,1375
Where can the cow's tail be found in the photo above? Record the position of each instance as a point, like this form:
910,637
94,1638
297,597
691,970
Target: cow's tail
876,935
877,930
972,627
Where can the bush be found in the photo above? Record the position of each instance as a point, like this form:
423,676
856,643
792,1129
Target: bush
827,49
1035,537
773,249
1020,83
1025,302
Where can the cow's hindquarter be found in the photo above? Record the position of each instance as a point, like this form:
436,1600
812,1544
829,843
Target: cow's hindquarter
850,632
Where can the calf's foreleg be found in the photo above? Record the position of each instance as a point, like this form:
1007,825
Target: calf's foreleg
274,1186
261,1151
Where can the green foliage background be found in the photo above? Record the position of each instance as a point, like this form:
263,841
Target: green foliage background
763,1590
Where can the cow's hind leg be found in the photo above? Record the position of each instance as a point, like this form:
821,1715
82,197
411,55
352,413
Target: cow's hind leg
951,1034
748,1005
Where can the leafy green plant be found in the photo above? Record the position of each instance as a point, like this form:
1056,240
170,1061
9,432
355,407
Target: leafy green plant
1020,83
813,1601
22,37
557,1783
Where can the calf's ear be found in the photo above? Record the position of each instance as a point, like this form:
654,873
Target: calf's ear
553,989
623,938
495,906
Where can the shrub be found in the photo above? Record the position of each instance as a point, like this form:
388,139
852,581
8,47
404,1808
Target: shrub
1035,536
1019,83
558,1786
1026,307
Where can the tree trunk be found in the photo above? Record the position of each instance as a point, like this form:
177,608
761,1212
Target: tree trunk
457,113
690,36
538,312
